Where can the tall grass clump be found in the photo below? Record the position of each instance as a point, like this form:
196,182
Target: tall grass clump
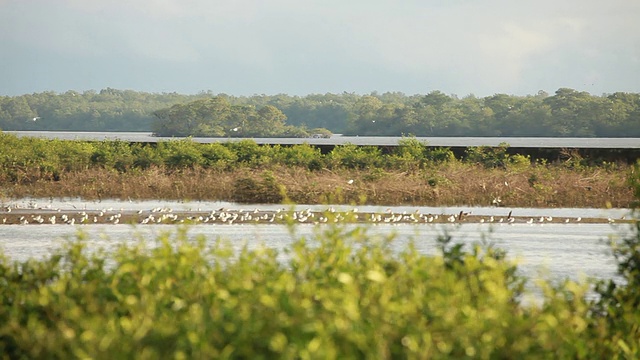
342,293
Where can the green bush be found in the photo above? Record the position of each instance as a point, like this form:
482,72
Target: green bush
340,294
218,156
519,163
409,155
412,154
249,153
303,155
489,157
146,156
112,154
439,155
355,157
182,154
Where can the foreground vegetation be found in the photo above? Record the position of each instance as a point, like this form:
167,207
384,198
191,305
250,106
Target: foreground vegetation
246,172
340,294
566,113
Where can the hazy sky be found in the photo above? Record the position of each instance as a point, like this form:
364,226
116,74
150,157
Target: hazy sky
300,47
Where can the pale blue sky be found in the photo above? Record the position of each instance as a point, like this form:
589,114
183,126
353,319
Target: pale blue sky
300,47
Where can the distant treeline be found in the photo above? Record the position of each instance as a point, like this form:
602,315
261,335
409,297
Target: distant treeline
567,113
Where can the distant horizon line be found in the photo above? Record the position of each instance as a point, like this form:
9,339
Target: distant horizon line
371,93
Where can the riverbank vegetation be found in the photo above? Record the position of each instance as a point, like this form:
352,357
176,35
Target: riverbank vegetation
243,171
343,293
566,113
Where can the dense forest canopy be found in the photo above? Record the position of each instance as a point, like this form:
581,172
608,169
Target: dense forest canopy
567,113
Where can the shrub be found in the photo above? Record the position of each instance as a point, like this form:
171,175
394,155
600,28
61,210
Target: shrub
355,157
146,156
182,154
218,156
112,154
249,153
409,155
303,155
489,157
439,155
519,163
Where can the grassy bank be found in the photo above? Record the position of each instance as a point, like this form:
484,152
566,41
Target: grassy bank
411,174
452,183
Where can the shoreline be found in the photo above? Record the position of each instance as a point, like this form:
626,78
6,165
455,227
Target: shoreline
20,216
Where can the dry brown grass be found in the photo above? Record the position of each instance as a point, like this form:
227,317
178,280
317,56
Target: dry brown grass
450,184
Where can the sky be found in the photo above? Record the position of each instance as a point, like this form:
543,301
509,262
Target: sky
302,47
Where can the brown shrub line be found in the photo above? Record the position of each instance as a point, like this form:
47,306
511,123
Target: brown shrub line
448,185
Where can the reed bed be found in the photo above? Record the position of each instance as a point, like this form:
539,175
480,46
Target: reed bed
446,185
410,174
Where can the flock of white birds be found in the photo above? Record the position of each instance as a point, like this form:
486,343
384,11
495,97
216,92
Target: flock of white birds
164,215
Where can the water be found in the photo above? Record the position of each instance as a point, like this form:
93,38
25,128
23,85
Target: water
619,143
71,204
562,251
554,251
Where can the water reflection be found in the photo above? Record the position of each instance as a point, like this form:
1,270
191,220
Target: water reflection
563,251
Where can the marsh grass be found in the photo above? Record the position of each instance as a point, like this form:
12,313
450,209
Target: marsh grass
452,183
411,174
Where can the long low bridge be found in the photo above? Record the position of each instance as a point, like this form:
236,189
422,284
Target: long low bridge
610,149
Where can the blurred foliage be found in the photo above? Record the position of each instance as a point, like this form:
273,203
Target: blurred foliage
342,293
567,113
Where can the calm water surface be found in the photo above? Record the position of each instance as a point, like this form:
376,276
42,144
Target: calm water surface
337,139
560,251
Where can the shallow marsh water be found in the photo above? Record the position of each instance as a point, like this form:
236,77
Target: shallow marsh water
562,250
